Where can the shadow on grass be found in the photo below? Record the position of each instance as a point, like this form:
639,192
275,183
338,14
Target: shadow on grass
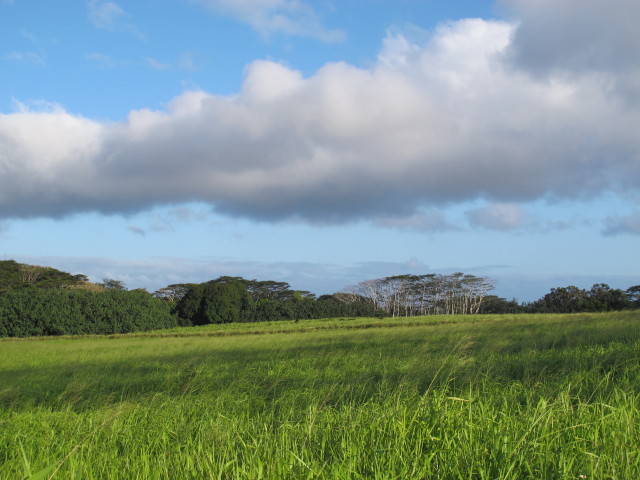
341,366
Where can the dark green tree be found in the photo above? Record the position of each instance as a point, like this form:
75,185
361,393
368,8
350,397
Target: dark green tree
602,298
569,299
497,305
633,295
214,302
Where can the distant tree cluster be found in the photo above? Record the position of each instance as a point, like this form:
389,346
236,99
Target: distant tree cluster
457,293
235,299
600,298
15,276
409,295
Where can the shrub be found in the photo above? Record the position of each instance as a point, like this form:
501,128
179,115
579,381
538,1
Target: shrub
35,312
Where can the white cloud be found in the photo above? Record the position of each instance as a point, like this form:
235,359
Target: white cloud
290,17
430,124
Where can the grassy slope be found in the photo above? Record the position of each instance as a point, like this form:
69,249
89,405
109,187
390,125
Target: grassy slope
438,397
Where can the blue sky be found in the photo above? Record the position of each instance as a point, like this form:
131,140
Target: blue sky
323,143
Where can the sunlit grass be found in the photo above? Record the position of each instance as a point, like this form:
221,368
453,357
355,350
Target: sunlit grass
473,397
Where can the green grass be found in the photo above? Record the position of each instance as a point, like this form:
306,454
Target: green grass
482,397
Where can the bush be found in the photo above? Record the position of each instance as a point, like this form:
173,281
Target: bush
36,312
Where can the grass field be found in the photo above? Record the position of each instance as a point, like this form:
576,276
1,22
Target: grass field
481,397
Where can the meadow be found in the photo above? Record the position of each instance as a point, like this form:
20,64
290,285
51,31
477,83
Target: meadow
449,397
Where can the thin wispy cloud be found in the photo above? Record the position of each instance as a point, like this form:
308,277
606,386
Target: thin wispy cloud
102,60
110,16
268,17
418,222
158,65
174,218
185,62
499,216
629,225
31,58
137,230
29,36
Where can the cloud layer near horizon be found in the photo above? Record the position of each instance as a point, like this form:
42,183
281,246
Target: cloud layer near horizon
483,109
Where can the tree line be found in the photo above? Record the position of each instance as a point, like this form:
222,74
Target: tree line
462,294
236,299
430,294
38,300
571,299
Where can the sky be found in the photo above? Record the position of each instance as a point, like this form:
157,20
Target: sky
323,142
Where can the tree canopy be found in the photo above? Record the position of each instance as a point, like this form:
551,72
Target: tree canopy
214,302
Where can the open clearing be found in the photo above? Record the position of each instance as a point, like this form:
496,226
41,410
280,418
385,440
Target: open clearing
486,397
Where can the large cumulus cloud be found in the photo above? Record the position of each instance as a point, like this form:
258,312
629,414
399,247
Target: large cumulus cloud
585,36
457,118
